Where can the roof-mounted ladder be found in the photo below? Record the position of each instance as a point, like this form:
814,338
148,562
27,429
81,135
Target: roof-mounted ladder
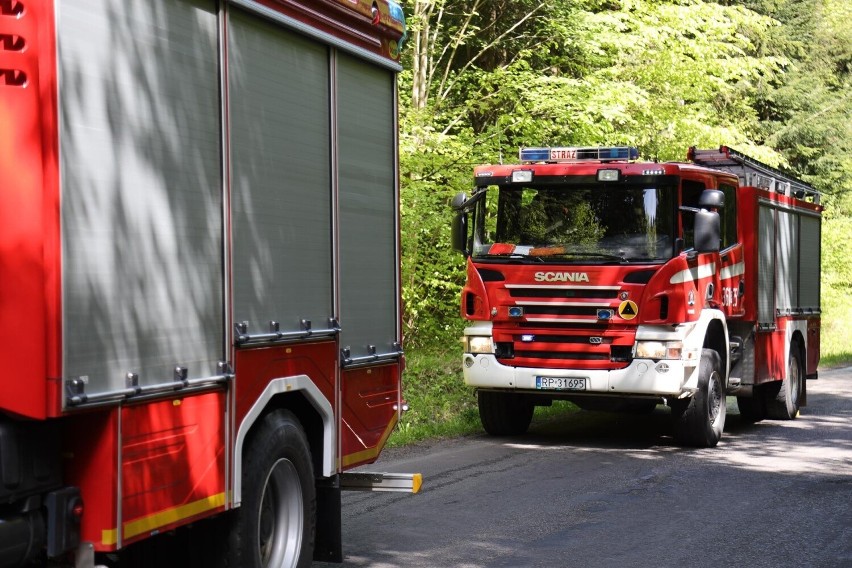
753,173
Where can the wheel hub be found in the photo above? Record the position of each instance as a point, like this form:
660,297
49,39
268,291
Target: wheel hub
281,517
714,396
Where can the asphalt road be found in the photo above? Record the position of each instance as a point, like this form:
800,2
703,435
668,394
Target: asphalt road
603,490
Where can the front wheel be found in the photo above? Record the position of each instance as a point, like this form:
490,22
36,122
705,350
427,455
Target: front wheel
700,420
275,524
504,413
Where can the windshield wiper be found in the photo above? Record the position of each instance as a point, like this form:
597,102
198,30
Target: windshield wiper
499,255
509,256
566,254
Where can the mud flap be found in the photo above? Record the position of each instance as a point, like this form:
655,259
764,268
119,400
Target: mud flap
328,545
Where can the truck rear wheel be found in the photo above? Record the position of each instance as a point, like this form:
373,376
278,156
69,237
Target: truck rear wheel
752,408
275,525
504,414
700,420
782,398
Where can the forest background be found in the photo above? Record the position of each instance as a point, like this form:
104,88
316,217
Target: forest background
481,78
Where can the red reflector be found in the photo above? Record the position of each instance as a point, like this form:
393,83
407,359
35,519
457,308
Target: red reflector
77,511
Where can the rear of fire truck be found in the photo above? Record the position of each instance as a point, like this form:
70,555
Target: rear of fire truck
199,276
599,279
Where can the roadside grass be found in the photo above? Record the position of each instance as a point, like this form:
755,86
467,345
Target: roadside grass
836,332
836,293
440,404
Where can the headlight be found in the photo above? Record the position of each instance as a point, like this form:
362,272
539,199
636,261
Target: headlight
479,344
658,349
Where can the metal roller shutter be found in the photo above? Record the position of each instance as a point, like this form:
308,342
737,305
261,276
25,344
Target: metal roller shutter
281,176
368,220
787,263
809,265
141,192
766,267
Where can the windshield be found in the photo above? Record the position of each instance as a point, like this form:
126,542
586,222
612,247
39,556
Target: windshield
601,223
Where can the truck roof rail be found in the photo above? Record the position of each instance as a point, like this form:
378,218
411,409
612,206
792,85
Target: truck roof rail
753,172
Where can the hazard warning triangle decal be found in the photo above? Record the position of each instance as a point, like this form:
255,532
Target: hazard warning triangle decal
628,309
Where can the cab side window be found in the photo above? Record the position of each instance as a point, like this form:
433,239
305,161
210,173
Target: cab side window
689,197
729,216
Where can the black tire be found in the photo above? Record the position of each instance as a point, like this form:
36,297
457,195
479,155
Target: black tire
783,397
275,525
700,420
504,414
752,408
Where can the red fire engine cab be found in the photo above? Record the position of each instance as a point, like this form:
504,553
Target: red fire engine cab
199,282
619,285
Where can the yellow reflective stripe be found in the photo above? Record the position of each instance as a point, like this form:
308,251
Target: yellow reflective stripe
109,537
173,515
370,453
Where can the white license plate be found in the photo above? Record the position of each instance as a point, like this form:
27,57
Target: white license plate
560,383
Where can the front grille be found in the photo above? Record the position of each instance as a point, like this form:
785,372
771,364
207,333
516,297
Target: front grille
568,339
563,326
574,347
560,328
561,355
558,310
558,293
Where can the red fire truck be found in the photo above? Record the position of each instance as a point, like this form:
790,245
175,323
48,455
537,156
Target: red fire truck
199,283
619,285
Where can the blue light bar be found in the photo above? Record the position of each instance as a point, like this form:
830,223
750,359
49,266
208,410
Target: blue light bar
574,154
621,153
535,154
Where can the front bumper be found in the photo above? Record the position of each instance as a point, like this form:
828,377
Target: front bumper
643,376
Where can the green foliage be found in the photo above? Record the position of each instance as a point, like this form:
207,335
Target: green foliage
432,273
836,335
807,113
772,78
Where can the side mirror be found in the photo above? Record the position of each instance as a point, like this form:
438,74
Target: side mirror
458,200
459,232
708,231
711,199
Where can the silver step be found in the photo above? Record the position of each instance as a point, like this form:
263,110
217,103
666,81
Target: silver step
368,481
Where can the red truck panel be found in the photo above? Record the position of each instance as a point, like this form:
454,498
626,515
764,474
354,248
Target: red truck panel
29,228
256,367
92,465
172,463
371,399
769,353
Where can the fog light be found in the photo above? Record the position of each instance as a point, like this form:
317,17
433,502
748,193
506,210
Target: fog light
479,344
658,349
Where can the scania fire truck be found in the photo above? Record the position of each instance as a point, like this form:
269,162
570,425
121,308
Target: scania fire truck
619,285
199,282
